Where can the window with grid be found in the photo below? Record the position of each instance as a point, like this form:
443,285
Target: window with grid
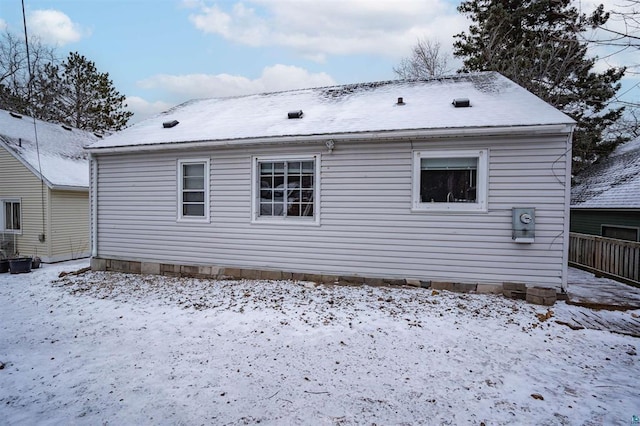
193,189
286,188
11,216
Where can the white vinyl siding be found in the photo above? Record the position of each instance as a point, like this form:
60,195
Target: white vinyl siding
193,190
368,226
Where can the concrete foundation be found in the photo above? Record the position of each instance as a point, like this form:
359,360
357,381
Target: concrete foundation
219,272
514,290
541,296
489,289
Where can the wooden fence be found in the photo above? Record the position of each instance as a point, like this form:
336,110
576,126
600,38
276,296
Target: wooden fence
609,257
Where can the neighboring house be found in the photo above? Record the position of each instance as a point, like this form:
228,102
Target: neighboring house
44,189
385,181
606,198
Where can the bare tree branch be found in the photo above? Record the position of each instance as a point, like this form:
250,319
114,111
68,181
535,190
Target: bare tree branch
426,61
14,69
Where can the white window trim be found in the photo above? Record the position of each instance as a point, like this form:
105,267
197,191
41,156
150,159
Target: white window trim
483,177
2,218
257,219
207,177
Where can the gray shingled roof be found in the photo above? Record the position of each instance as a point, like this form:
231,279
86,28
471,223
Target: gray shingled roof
613,183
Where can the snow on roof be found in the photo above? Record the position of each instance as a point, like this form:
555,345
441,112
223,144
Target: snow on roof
63,160
613,183
367,107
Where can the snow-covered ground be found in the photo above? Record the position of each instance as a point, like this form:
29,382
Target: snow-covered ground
120,349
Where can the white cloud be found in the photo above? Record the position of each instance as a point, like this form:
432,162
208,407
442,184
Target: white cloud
241,26
212,20
3,24
316,29
273,78
53,26
142,108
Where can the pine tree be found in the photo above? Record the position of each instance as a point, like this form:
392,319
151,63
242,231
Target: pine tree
87,98
45,99
537,44
75,93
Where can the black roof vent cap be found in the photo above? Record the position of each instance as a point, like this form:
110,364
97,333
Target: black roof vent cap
15,114
461,103
296,114
400,101
64,126
170,124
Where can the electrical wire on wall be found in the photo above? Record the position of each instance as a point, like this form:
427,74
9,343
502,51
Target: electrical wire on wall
35,127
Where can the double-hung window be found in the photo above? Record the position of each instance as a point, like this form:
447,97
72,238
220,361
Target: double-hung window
11,216
454,180
193,189
285,189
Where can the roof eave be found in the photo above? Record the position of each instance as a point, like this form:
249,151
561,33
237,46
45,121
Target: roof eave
560,128
75,188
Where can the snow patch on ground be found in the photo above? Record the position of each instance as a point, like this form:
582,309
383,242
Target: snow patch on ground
108,348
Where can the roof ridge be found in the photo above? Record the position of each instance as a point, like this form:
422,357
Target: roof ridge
375,83
20,116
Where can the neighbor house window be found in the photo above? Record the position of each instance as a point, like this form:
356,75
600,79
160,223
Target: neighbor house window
286,188
11,216
450,180
620,232
193,189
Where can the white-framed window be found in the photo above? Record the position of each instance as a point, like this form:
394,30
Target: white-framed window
286,189
11,216
450,180
193,189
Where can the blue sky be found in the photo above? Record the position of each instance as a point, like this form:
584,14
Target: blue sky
163,52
